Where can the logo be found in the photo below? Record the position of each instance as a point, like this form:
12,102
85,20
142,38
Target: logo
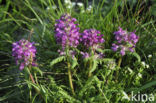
141,97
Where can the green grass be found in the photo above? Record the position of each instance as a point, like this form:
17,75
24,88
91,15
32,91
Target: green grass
20,18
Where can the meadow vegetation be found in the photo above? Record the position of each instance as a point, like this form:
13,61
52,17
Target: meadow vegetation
90,66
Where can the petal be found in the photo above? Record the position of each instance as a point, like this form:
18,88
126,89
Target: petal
34,64
21,66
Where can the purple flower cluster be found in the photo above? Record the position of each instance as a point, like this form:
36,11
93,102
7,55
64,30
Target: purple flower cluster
91,40
67,32
24,53
126,41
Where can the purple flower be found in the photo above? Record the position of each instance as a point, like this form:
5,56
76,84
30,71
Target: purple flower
24,53
85,55
122,51
67,32
71,53
91,40
126,41
115,47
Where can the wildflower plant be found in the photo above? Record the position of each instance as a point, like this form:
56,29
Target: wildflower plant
125,42
92,69
24,53
91,40
67,35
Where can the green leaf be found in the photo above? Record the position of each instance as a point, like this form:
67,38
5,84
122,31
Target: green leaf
104,51
34,85
43,89
105,60
10,94
86,86
74,63
36,69
65,95
57,60
135,55
51,53
27,70
35,13
98,82
95,63
148,85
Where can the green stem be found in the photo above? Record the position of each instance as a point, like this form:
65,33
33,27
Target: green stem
36,78
70,79
30,93
90,67
30,75
32,79
119,64
34,82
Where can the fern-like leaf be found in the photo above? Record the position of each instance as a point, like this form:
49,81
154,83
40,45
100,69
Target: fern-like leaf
95,64
57,60
135,55
74,63
86,86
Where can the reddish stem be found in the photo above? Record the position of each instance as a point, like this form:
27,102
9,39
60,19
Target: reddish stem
32,78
